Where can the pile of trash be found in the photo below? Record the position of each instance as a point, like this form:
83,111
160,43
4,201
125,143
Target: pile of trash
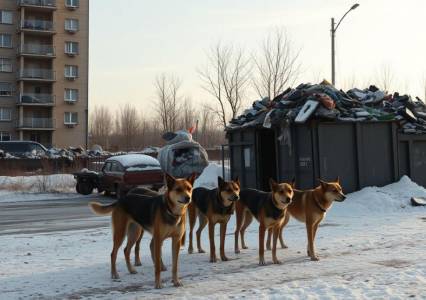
182,156
71,153
324,102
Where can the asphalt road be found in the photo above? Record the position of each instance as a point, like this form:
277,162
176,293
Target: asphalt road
50,215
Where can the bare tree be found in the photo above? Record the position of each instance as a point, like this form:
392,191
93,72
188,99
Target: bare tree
208,132
317,75
188,114
226,79
350,82
168,100
128,125
277,65
101,126
385,78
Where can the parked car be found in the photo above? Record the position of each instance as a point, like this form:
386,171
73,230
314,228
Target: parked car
121,173
23,148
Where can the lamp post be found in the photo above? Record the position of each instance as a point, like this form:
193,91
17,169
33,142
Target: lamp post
333,35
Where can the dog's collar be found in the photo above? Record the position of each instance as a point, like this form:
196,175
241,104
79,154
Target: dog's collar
319,206
273,201
219,201
169,211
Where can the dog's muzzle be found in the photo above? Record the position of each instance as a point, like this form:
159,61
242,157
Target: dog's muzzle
286,202
185,200
234,198
341,199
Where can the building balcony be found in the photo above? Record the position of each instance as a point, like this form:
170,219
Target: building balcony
35,99
45,75
38,4
41,27
36,124
37,50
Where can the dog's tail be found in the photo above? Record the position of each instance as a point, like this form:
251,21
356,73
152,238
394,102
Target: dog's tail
100,209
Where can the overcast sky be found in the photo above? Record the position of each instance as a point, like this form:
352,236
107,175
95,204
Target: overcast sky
132,41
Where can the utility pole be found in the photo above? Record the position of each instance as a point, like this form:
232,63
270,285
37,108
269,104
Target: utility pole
333,56
333,36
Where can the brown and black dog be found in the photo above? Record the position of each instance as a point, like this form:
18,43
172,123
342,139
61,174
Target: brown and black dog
269,208
135,229
212,207
310,207
163,216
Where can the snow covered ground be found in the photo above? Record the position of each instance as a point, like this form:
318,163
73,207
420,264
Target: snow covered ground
371,246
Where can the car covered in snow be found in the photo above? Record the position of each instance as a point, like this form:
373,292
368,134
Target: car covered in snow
121,173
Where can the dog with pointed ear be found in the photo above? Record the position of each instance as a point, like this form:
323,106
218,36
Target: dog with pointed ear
213,206
237,180
272,184
268,208
310,207
293,183
161,215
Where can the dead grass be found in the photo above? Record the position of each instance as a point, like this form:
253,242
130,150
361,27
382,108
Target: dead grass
38,184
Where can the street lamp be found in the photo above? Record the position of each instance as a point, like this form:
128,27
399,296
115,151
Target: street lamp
333,34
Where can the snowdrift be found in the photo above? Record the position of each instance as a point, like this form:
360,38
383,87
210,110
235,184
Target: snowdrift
208,178
379,200
390,198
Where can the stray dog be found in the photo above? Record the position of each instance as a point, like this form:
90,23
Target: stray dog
136,229
269,209
163,216
213,206
310,207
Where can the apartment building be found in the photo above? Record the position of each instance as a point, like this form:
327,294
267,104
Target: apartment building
44,51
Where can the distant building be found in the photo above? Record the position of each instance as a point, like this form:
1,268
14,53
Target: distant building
44,51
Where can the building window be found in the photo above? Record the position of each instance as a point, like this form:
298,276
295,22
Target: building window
71,25
71,72
5,89
5,40
6,17
70,118
5,136
72,3
71,48
5,64
71,95
5,114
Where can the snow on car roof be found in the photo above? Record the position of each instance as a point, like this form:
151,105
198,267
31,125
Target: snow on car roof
130,160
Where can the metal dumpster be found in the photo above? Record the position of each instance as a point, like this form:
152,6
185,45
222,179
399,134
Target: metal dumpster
361,154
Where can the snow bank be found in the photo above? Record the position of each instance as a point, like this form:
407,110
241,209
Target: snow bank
378,200
58,183
208,178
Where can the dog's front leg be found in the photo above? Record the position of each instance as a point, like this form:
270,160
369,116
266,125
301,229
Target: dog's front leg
157,257
276,231
151,246
268,239
213,257
311,247
176,242
222,241
262,244
280,235
192,218
239,218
